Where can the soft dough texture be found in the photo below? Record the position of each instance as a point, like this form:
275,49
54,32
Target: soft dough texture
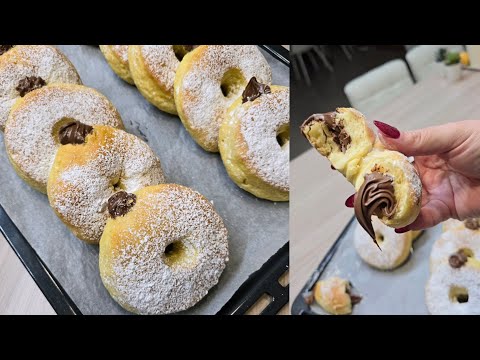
394,248
153,69
248,144
165,254
28,61
117,58
208,80
31,131
352,148
85,176
333,295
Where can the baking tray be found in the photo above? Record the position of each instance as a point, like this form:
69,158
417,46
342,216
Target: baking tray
257,228
397,292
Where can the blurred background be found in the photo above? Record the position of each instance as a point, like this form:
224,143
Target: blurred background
366,77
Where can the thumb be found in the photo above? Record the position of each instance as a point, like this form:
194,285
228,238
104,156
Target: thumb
428,141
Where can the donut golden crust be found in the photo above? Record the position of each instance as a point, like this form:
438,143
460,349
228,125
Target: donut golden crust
394,248
165,253
333,295
153,69
454,291
248,144
117,58
27,67
387,184
31,131
208,80
84,176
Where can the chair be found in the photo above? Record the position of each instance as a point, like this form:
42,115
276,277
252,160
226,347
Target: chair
378,86
299,51
421,59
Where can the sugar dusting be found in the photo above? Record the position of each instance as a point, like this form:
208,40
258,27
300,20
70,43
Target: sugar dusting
142,279
259,123
80,193
162,63
28,134
122,52
204,104
31,60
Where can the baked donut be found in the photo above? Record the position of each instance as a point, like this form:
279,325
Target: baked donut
391,249
470,223
162,250
28,67
456,246
117,58
31,131
254,141
93,164
153,69
387,184
208,80
454,290
334,296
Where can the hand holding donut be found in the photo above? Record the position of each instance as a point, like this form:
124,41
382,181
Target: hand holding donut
446,157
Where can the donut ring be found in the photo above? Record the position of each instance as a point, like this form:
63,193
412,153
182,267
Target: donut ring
208,80
117,58
165,253
472,224
452,242
254,144
394,248
451,291
153,69
28,67
84,176
334,296
31,131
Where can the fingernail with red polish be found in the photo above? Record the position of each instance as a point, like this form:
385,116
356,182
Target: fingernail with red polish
387,130
402,230
350,201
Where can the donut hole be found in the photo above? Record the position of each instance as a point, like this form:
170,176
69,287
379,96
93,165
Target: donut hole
458,294
379,238
283,135
467,252
232,84
180,51
58,126
180,253
117,185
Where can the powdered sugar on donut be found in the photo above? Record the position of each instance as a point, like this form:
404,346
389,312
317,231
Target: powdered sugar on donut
162,64
204,105
142,280
260,121
28,134
452,241
79,193
121,51
31,60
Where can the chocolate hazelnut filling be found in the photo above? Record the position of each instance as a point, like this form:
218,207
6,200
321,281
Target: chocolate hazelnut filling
120,203
254,89
74,133
458,259
375,197
337,129
472,223
5,48
28,84
354,299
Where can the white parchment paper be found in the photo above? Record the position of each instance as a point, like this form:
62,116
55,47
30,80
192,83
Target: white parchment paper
257,228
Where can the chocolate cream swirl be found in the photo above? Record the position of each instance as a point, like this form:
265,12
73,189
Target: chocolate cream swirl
74,133
375,197
254,89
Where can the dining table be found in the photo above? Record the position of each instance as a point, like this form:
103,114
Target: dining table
317,207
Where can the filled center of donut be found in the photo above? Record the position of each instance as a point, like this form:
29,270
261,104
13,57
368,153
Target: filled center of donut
254,89
232,83
29,83
120,203
74,132
375,197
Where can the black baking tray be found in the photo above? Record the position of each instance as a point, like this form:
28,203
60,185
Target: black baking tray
264,280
